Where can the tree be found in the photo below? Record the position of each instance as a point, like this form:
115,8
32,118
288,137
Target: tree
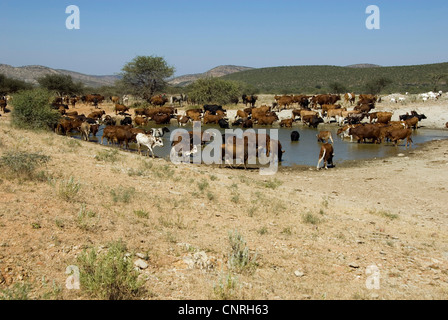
61,84
435,78
377,85
146,75
214,90
9,85
337,88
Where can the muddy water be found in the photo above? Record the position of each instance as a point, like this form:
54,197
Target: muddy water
306,151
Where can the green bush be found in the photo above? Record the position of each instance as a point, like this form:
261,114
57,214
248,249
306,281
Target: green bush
32,110
109,275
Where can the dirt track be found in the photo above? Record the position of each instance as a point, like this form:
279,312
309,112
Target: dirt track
316,232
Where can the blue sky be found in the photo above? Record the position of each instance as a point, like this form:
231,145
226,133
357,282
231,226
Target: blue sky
195,35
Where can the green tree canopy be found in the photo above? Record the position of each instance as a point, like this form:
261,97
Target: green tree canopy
213,90
377,85
10,85
61,84
146,75
338,88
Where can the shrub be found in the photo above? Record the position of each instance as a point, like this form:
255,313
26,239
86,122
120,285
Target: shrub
23,164
122,194
19,291
240,258
68,189
32,110
227,287
107,155
109,275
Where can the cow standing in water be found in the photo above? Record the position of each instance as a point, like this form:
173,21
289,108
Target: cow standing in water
326,155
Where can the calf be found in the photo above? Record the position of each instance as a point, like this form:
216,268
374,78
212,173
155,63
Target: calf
149,141
326,155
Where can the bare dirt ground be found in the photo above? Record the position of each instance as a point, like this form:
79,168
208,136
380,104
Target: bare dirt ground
317,234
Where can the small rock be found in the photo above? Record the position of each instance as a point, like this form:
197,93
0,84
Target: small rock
141,255
400,155
140,264
299,273
354,265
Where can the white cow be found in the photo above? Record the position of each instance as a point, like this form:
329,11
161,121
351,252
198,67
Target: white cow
149,141
158,132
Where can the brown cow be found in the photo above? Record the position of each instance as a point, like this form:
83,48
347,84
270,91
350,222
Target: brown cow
367,131
3,104
326,155
120,108
241,114
287,123
182,120
210,118
350,97
94,129
115,99
140,121
236,150
324,136
96,114
412,123
400,134
159,100
161,118
267,120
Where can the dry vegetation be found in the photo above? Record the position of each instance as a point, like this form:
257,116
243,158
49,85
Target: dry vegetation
211,233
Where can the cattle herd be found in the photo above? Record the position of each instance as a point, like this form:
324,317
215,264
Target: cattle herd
356,120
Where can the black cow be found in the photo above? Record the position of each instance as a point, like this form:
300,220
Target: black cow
224,124
295,136
412,115
212,108
126,121
314,122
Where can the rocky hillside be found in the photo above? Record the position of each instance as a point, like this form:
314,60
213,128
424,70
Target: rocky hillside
32,73
215,72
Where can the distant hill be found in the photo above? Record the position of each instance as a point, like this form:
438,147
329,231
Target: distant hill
219,71
317,79
363,65
30,74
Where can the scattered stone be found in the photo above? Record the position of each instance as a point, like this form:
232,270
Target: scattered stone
299,273
354,265
140,263
199,260
400,155
141,256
